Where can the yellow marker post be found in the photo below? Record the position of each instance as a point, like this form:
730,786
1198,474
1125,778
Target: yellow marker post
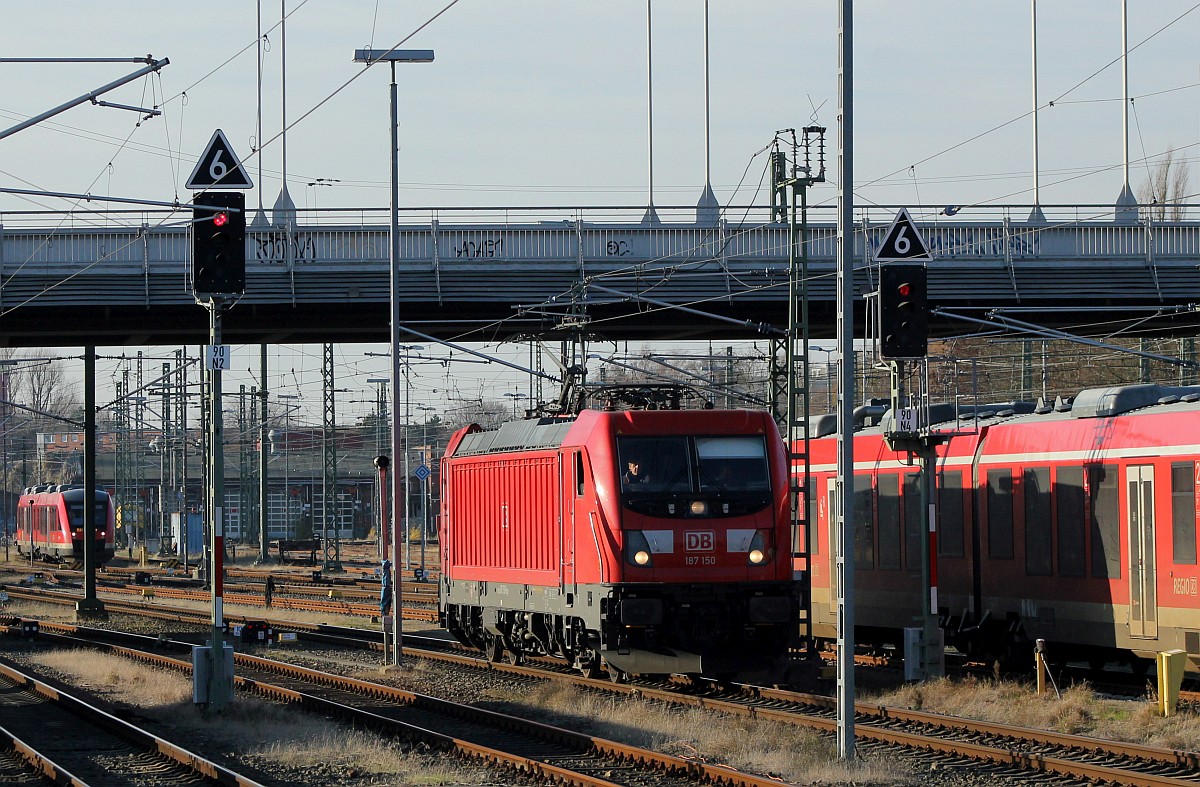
1039,663
1170,677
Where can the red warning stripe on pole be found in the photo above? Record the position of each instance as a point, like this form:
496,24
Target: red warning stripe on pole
218,572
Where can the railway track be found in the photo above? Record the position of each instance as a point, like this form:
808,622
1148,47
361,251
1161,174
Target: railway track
354,577
66,739
1004,749
420,605
508,742
416,606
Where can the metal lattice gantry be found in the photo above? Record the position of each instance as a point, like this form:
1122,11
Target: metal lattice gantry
248,471
124,484
329,497
179,452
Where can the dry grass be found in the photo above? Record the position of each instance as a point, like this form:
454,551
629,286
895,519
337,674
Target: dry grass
269,735
793,754
1078,712
119,679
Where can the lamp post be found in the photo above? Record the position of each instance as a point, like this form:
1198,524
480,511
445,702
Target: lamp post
426,462
312,185
382,441
392,57
402,489
516,397
829,375
157,446
287,466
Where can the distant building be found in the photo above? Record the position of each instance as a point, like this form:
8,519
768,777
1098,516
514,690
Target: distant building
57,442
60,441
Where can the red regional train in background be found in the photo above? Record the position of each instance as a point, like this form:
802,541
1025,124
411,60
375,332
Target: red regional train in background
50,523
638,541
1074,523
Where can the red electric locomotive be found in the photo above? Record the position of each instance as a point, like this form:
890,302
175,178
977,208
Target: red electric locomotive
1074,523
50,523
644,541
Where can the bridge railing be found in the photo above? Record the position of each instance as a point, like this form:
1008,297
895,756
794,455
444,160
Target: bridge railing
547,216
159,242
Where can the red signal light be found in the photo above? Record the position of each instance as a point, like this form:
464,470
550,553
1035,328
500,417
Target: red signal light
220,219
904,289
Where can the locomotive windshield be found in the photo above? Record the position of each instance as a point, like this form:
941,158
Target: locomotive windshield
75,514
734,464
694,464
655,464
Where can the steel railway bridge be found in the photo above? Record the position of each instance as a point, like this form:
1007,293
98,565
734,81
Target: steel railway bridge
487,274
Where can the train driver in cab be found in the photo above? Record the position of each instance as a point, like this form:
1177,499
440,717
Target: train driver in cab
635,473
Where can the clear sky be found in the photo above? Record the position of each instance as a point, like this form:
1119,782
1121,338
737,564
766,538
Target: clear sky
544,103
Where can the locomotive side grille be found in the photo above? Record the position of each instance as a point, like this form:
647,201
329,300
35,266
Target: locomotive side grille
1191,642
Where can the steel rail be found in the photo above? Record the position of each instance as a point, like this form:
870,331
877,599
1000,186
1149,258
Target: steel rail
143,739
631,756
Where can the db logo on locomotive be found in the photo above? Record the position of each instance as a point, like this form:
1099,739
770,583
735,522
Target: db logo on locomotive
699,540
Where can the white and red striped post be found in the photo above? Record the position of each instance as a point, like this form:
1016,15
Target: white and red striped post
218,692
381,464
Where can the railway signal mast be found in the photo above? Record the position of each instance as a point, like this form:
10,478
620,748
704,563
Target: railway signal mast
218,280
904,337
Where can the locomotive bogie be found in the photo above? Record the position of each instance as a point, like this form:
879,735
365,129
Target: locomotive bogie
701,629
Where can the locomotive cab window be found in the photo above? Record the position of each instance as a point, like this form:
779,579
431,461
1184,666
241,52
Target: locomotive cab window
732,464
694,476
654,464
75,513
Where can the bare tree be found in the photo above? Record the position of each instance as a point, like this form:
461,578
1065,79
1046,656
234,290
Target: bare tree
39,382
33,379
727,380
1165,189
1014,370
488,413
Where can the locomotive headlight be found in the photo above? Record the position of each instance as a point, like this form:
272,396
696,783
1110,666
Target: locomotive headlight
698,508
759,549
637,549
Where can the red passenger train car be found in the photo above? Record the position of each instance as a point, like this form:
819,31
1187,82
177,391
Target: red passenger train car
640,541
50,523
1074,523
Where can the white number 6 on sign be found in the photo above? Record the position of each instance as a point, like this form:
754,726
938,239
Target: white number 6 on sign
217,169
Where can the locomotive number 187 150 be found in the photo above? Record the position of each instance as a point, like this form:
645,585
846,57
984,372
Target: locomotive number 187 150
632,541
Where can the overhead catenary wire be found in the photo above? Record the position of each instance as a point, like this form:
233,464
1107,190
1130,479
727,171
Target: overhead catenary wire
204,78
739,186
1028,113
280,135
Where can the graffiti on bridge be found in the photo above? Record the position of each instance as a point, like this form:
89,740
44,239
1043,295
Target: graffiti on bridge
617,248
273,247
982,242
943,242
490,247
